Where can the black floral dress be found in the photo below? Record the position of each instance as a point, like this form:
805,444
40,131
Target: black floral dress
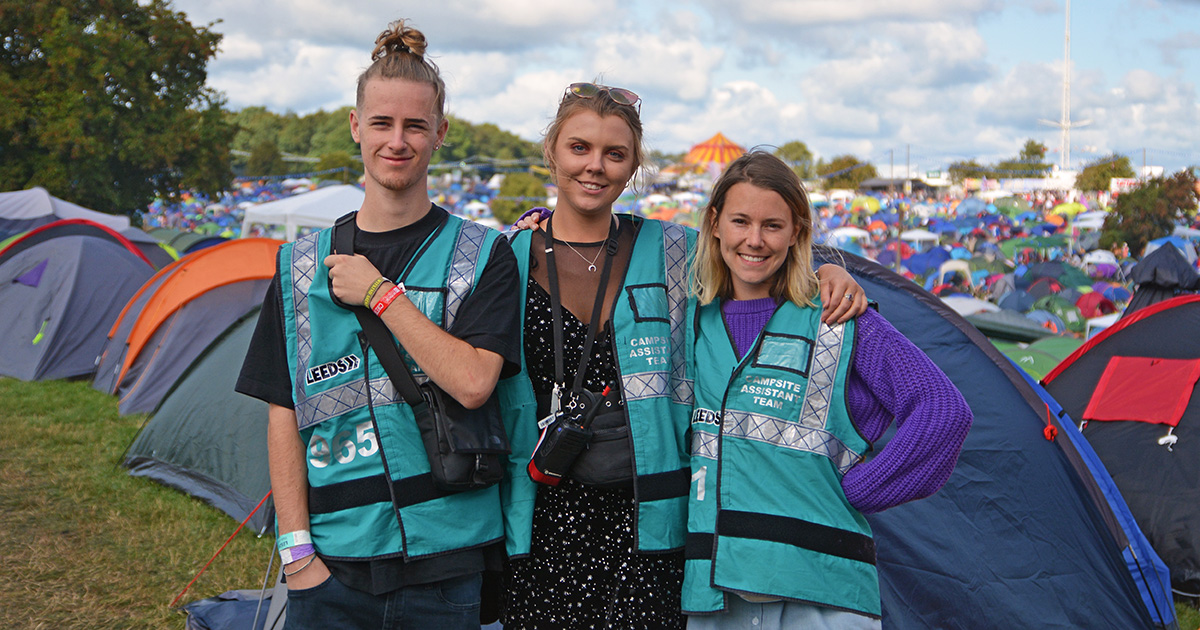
583,571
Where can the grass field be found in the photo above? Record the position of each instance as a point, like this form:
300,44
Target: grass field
84,545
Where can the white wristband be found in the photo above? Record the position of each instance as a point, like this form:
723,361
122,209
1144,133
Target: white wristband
291,539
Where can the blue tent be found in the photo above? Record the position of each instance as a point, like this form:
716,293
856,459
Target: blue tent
925,262
970,205
1016,300
1016,538
1158,476
1146,568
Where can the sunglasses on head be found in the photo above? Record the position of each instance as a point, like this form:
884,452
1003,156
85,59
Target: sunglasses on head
620,96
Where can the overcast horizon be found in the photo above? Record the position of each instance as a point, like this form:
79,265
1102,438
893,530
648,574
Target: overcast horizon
913,85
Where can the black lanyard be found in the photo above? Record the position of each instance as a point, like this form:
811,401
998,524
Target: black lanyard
347,227
556,304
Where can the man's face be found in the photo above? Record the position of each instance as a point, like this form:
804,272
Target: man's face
398,126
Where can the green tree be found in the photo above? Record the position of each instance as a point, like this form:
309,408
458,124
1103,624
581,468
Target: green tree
1150,211
966,169
845,171
105,104
342,160
664,159
466,141
254,125
331,133
796,154
1033,152
265,160
1097,175
295,134
1030,163
519,192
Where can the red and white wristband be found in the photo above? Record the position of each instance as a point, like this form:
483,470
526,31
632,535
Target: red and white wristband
386,301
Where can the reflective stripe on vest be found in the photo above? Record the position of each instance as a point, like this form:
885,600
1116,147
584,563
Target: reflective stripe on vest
674,383
319,407
808,434
675,250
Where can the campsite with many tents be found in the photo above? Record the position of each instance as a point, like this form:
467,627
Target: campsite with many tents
1050,482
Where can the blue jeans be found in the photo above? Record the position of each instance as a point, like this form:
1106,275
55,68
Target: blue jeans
452,604
743,615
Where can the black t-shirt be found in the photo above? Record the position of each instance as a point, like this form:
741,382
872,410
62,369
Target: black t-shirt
487,319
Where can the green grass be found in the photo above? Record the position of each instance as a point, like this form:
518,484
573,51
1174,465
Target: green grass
84,544
1189,616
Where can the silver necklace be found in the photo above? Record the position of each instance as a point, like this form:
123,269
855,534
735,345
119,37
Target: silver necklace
591,263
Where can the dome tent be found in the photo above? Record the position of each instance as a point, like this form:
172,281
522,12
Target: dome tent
207,440
24,210
944,559
176,314
61,288
1134,386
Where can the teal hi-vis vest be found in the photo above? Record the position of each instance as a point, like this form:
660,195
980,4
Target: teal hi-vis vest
771,440
370,492
652,340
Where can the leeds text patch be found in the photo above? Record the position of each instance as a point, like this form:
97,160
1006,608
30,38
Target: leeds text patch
318,373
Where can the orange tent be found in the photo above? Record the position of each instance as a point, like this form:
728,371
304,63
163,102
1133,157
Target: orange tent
234,273
717,150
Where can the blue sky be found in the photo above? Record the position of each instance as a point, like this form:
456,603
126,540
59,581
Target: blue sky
915,84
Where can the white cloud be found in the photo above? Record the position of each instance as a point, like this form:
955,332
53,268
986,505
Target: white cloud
524,107
858,12
237,49
473,75
862,76
1146,106
302,79
681,67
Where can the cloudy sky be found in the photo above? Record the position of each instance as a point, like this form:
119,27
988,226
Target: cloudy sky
905,85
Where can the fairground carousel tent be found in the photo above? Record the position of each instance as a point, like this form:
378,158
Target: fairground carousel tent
717,151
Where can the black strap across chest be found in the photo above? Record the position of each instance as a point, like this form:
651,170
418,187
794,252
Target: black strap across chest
556,304
376,332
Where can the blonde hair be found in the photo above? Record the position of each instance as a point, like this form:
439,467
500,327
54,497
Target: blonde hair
400,54
796,281
602,105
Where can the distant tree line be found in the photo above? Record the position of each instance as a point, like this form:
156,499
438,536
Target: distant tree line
1029,163
264,139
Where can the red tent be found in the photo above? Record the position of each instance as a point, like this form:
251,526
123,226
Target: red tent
1094,304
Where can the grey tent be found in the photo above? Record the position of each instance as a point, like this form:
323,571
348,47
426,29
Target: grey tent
150,247
58,298
207,440
24,210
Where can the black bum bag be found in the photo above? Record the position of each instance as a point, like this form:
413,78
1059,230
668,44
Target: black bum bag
606,457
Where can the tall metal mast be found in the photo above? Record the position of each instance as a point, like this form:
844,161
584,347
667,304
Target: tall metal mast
1064,123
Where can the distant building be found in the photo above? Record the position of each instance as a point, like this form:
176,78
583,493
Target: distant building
910,185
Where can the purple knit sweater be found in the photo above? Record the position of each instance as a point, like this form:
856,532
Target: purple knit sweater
889,378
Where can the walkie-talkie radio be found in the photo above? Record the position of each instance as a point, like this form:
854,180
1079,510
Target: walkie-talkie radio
565,436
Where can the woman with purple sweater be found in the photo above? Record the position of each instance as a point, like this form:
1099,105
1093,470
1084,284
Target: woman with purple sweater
787,409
